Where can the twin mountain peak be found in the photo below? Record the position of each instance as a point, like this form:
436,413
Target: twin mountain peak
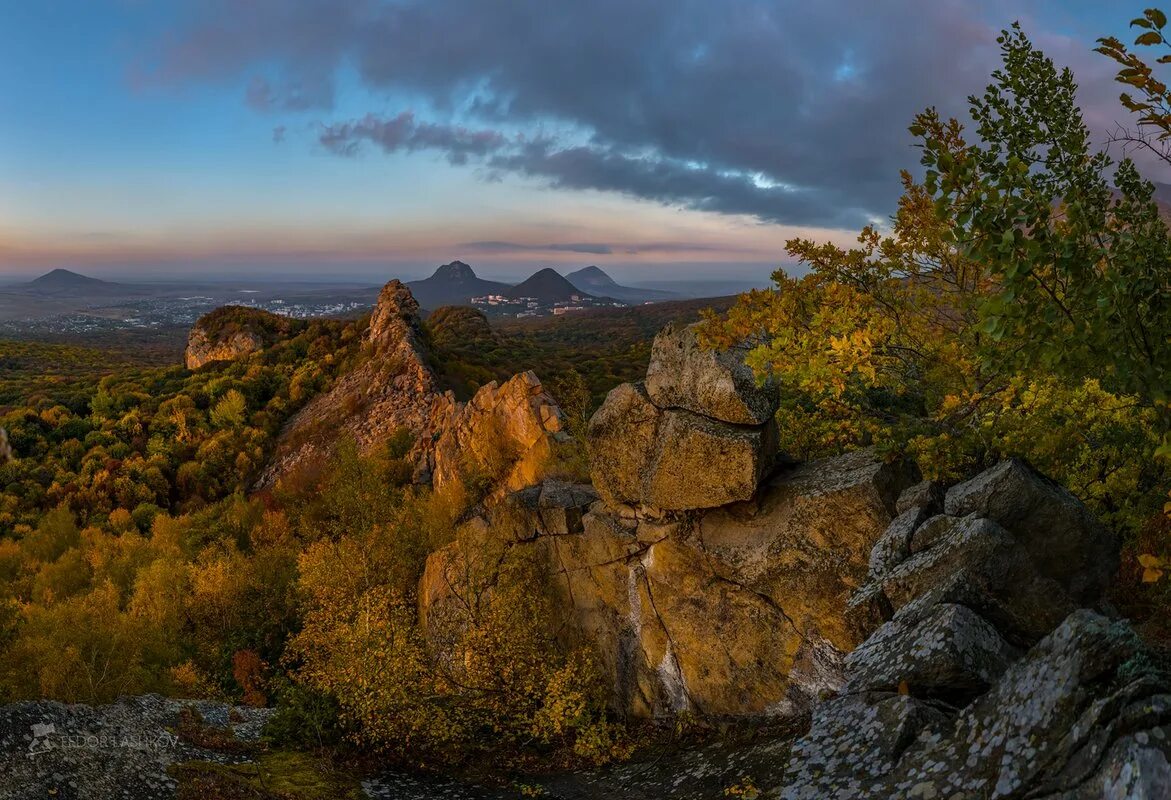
456,283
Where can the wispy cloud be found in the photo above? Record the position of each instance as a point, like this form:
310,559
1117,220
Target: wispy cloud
517,247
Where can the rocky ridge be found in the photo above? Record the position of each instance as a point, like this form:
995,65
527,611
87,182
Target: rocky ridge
395,389
706,580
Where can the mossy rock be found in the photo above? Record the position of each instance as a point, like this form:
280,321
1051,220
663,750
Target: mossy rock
279,775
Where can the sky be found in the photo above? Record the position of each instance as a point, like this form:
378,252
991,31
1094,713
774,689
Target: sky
659,139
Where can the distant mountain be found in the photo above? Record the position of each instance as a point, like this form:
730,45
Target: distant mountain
594,280
66,282
548,286
453,284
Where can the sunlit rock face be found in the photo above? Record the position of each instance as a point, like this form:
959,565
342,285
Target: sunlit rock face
698,433
509,428
517,423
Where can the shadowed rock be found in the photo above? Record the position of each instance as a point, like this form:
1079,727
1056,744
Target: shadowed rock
1061,535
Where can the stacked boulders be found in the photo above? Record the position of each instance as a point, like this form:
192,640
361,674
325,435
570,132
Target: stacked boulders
698,433
705,576
986,674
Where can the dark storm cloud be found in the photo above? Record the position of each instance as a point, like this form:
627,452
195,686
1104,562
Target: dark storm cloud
790,111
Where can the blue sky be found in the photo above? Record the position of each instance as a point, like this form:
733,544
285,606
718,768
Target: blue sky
659,139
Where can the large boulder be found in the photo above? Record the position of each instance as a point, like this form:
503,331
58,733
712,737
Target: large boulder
714,383
622,434
671,459
699,433
1063,538
951,650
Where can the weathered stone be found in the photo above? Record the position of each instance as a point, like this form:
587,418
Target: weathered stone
126,749
622,438
551,508
867,610
714,383
853,743
1064,539
931,532
1077,717
700,463
505,432
951,650
980,565
805,540
894,546
673,460
927,495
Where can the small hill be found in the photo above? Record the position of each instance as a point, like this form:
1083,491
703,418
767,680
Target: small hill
596,281
459,326
548,286
67,282
232,332
453,284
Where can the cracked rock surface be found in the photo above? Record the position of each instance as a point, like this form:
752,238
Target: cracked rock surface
982,678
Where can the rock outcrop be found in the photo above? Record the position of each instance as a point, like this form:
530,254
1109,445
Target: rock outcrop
392,390
510,428
984,677
714,383
736,611
699,433
233,332
124,749
506,434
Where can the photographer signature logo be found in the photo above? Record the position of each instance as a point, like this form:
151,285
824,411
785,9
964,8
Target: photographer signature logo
45,739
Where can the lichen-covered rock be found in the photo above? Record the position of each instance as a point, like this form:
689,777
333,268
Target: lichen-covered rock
1031,696
951,650
979,564
853,743
622,438
927,495
1080,715
120,750
1061,535
714,383
700,463
894,546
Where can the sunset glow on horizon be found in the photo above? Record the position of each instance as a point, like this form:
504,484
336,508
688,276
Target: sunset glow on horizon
364,136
